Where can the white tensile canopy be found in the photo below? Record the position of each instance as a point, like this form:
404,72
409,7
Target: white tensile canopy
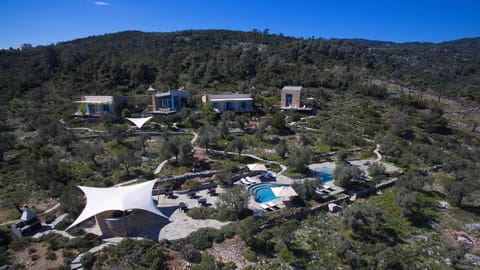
100,200
27,214
139,122
257,167
284,191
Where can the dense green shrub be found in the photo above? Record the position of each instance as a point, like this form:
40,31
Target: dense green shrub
87,260
50,255
202,213
203,238
191,254
19,243
229,230
84,242
250,255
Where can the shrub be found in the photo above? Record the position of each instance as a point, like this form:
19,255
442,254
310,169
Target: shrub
50,255
229,230
76,231
68,255
226,214
377,170
84,243
19,244
190,184
287,256
202,213
87,260
49,218
191,254
203,238
250,255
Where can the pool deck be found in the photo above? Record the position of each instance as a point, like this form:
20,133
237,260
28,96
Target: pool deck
327,164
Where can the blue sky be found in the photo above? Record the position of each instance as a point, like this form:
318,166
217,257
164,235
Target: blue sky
42,22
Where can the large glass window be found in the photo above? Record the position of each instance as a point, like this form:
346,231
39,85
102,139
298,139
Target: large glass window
288,100
230,106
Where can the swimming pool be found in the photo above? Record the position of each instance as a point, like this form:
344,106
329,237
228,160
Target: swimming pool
324,174
263,192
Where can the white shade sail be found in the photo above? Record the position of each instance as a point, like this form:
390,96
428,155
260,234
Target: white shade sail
285,191
124,198
139,122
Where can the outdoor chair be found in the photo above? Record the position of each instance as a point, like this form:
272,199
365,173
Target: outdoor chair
272,205
245,182
182,206
202,201
212,191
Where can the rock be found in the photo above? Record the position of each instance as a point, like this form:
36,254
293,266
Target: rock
421,238
473,258
472,227
332,207
432,224
465,241
443,204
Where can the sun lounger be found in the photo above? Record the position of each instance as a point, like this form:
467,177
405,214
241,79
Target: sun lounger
272,205
322,191
245,181
265,207
249,179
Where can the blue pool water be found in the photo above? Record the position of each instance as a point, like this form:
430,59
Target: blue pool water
263,192
324,174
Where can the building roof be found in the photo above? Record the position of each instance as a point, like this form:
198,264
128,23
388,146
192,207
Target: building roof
292,88
229,97
96,99
100,200
180,92
27,214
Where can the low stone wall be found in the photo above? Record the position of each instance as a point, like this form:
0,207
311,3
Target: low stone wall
182,177
360,194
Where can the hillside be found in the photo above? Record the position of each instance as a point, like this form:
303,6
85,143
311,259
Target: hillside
388,132
129,61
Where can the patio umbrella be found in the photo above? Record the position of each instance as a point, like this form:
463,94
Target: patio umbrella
284,191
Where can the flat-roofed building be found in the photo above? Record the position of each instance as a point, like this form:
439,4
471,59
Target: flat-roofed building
291,97
230,102
99,105
169,102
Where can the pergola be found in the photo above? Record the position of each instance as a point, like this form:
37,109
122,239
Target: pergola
125,198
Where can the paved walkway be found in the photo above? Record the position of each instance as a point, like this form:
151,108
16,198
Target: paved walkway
162,164
377,152
182,225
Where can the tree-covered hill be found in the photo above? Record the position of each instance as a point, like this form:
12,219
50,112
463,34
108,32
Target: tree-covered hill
129,61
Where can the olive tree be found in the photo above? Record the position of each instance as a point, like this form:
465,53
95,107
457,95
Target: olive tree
236,199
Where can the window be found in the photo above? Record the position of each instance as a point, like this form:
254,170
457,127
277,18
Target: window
230,106
288,100
243,105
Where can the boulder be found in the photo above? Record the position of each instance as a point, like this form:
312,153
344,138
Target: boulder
473,258
472,227
443,204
